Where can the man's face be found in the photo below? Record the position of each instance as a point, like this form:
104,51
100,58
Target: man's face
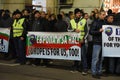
110,19
78,15
26,13
18,16
37,15
102,15
43,15
86,16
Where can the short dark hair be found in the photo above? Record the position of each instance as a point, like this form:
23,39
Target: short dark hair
59,17
36,12
77,10
109,11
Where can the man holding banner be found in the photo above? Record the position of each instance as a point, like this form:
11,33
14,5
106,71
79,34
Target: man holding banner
110,45
78,25
19,33
96,31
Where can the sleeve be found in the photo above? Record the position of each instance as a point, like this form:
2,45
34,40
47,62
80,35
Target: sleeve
86,31
24,29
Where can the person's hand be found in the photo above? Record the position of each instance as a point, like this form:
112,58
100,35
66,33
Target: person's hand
21,38
101,30
77,30
9,28
82,41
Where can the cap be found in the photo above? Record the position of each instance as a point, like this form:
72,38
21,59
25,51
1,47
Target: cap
77,10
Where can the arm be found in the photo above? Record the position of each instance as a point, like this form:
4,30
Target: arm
24,30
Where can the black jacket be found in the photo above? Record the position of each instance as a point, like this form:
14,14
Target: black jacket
97,36
40,24
36,25
6,23
60,26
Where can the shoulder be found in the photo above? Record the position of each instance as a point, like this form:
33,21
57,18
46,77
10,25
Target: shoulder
83,20
72,20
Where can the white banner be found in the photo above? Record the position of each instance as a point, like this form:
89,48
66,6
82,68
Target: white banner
111,41
4,39
54,45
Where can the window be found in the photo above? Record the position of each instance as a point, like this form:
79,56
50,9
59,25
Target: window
39,4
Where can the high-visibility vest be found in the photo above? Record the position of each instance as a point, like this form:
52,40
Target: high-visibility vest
80,25
17,27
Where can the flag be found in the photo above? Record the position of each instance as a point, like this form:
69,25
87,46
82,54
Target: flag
102,5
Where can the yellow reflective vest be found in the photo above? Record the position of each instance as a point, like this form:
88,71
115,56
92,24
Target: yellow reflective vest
17,27
80,25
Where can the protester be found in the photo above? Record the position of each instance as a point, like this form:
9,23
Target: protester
78,21
19,35
96,31
26,15
52,21
60,25
90,40
78,25
109,63
65,18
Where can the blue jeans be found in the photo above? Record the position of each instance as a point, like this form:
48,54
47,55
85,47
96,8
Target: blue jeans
96,60
84,57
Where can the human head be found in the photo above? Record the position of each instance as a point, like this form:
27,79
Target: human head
96,10
86,16
110,18
18,14
25,12
92,13
102,15
59,17
71,15
37,14
109,12
78,13
62,13
2,12
52,17
43,14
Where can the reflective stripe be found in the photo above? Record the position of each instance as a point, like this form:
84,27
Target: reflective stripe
17,32
17,29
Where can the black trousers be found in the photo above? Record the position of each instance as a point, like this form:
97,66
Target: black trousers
19,49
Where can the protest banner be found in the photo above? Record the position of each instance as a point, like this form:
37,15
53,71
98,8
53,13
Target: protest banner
111,41
48,45
4,39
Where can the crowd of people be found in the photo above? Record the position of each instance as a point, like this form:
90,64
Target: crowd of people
90,26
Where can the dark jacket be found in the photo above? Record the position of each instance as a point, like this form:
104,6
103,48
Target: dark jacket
60,26
28,23
6,23
46,24
40,24
52,25
36,25
97,36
